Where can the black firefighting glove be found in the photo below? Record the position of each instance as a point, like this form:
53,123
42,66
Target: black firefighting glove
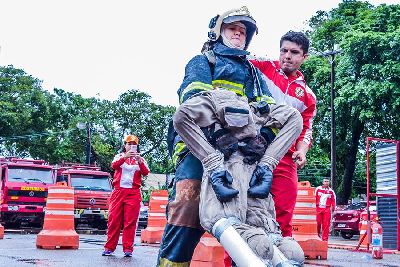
221,181
253,149
260,182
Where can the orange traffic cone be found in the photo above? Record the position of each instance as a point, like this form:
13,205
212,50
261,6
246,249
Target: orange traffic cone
208,253
157,218
305,223
363,226
363,240
58,229
1,231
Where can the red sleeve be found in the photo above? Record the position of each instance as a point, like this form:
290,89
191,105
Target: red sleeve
308,117
333,200
316,196
117,161
144,170
265,66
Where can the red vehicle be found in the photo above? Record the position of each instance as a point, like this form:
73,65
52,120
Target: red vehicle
23,191
346,220
92,189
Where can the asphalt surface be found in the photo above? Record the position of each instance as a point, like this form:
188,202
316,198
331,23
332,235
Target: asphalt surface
18,248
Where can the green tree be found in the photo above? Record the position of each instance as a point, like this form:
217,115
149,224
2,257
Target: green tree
36,123
367,80
134,113
25,110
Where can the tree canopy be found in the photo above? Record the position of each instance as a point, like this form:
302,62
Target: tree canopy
36,123
367,83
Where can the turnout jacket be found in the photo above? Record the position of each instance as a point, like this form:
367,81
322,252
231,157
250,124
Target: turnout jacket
128,172
221,67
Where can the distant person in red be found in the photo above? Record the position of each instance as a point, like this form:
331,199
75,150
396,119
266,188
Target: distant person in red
125,199
326,201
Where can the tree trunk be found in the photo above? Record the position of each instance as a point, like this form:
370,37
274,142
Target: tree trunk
350,161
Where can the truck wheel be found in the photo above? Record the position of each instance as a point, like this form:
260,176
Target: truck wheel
346,235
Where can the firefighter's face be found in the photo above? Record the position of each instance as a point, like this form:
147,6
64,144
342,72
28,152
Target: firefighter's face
235,33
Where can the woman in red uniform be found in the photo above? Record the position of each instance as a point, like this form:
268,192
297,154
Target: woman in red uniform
125,200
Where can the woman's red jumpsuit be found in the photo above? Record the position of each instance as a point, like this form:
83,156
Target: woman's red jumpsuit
125,201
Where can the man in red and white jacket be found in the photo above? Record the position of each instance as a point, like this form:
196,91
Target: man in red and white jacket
287,86
126,197
325,199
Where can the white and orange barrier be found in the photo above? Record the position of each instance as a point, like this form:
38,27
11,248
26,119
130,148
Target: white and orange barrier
1,231
363,226
208,253
305,223
156,217
58,228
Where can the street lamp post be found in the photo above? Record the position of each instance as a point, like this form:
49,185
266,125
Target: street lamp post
88,144
87,126
332,55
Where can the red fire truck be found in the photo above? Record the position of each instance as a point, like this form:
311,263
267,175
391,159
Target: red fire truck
92,189
23,191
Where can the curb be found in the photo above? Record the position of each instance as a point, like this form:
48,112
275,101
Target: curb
23,231
90,232
353,248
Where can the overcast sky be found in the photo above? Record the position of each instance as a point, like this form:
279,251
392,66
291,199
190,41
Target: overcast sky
103,48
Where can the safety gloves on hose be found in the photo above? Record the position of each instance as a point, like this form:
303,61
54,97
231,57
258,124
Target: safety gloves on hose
260,182
221,181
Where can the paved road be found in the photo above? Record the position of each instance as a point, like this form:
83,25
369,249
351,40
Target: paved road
18,249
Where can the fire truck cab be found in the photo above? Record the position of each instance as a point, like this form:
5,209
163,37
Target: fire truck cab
23,191
92,190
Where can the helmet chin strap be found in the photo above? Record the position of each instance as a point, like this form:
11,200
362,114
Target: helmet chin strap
228,43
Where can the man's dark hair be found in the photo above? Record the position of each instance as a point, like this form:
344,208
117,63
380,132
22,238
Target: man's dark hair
298,38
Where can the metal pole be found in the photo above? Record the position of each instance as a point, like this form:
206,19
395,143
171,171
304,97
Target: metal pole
332,54
333,124
368,195
88,145
398,193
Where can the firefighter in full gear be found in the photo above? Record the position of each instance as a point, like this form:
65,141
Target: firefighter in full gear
215,116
